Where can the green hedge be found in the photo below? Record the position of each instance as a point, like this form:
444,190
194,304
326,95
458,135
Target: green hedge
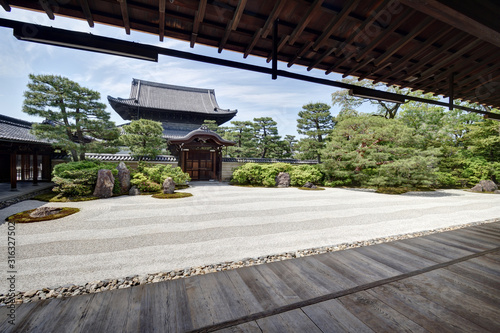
75,179
265,174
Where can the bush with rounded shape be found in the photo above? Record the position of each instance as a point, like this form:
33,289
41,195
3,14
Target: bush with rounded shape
144,184
301,174
159,172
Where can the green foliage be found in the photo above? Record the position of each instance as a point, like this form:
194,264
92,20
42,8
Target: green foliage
24,217
301,174
175,195
75,120
76,179
144,138
316,122
144,184
159,172
268,140
265,174
369,150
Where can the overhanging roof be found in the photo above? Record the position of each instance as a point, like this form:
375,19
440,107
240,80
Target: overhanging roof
400,42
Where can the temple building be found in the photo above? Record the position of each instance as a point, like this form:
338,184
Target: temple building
23,157
182,111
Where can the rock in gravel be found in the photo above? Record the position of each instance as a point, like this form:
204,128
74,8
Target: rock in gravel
123,177
134,191
485,186
105,184
45,211
30,293
168,186
283,179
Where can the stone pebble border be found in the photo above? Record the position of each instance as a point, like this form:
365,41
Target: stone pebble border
135,280
23,197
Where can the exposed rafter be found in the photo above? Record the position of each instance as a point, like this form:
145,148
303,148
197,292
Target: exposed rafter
5,5
300,53
233,24
86,12
304,21
334,24
46,7
278,7
403,41
125,17
198,18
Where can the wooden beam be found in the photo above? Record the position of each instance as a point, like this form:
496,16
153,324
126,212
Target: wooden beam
272,17
434,55
375,13
358,67
126,21
13,171
5,5
384,34
281,43
161,19
405,40
432,70
86,12
421,48
255,38
374,71
335,23
275,50
482,76
233,24
304,21
321,58
456,18
300,53
46,7
198,18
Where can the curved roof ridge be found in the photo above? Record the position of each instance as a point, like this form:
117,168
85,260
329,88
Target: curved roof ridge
172,86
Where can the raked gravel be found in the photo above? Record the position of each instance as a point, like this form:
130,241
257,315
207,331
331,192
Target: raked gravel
120,242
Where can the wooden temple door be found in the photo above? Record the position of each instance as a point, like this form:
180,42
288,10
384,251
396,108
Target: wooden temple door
200,164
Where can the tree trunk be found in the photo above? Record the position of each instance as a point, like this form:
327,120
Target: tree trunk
74,155
82,156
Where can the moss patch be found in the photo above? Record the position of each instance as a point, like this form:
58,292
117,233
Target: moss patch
181,187
311,189
392,190
174,195
24,217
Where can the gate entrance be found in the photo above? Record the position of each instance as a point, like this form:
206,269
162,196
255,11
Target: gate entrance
201,164
200,153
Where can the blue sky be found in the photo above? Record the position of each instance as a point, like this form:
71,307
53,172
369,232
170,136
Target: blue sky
253,94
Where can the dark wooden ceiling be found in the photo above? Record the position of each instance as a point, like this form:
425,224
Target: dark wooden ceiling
409,43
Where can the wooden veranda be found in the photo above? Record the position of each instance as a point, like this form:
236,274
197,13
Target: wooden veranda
444,282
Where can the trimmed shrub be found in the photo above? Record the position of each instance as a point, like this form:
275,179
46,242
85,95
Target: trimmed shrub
265,174
144,184
76,179
159,172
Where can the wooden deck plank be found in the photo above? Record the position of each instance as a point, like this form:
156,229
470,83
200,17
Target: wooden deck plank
430,315
250,327
291,321
377,315
439,248
23,314
445,239
398,259
332,316
465,269
493,236
469,308
477,244
423,252
355,270
482,240
485,265
491,227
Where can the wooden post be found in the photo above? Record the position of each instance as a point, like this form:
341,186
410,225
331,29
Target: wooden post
35,168
13,172
213,156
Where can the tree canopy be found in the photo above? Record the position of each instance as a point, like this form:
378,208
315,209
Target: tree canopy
75,120
144,138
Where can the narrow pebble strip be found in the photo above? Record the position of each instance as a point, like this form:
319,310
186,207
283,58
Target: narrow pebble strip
130,281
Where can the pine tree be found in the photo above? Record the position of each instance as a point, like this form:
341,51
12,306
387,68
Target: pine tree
144,138
267,136
75,120
243,133
316,122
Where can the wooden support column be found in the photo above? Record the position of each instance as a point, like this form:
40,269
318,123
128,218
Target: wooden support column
13,172
35,168
450,101
275,50
213,156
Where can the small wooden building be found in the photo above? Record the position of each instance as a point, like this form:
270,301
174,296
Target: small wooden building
23,157
182,112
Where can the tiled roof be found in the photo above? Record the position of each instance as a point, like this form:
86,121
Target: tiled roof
127,157
161,96
12,129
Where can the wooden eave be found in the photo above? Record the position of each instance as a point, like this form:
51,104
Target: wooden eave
401,42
